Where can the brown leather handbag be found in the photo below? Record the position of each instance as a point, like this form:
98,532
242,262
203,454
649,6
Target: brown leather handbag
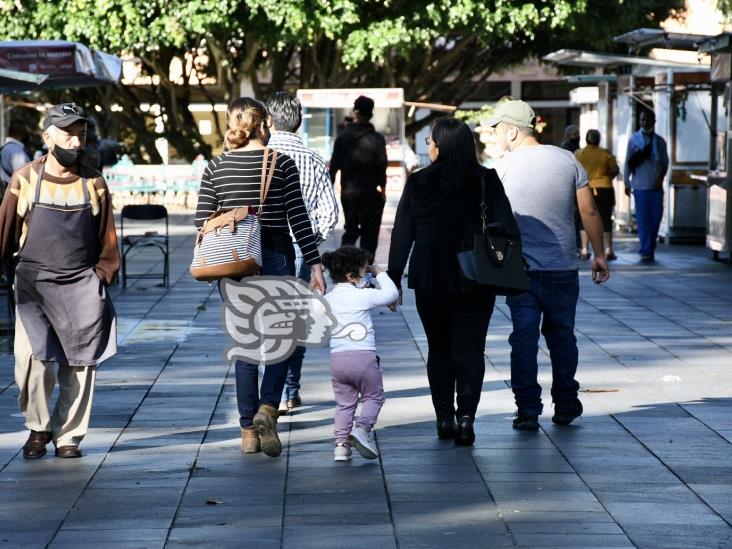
230,242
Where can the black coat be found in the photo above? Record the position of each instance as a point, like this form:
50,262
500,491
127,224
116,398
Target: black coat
436,223
359,153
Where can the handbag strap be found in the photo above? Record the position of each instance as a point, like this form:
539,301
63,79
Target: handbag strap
498,257
483,205
266,177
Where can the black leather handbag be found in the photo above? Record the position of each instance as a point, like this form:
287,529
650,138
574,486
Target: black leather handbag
496,260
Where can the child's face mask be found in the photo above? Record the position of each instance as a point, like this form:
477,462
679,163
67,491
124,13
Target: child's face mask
366,279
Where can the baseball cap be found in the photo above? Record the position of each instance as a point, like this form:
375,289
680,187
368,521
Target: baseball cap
514,112
63,115
364,105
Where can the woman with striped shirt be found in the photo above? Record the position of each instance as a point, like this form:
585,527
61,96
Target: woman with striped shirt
232,180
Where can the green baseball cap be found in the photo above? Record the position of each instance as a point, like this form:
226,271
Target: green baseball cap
515,112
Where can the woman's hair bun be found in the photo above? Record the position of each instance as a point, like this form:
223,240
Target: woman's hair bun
244,116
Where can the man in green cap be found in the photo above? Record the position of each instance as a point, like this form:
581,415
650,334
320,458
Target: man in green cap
542,183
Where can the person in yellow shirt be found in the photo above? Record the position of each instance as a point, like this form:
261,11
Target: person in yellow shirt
601,168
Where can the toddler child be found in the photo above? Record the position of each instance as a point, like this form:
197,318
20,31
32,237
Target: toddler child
354,365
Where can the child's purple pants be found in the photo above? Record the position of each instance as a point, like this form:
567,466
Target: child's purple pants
356,373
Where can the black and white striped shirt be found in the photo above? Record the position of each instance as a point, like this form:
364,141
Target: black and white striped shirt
232,180
317,188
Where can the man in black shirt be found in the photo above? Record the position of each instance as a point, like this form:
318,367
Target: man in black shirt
359,154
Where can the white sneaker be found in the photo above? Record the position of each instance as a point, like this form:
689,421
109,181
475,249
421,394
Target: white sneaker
363,443
342,452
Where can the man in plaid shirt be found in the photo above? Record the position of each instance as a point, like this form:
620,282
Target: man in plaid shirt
285,114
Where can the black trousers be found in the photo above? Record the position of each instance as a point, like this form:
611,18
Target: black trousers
363,211
456,326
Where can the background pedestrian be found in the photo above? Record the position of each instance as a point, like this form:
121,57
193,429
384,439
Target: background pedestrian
601,168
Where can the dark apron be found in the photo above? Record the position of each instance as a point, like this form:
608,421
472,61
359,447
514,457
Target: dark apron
61,302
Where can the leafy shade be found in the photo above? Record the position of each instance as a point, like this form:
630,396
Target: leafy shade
437,50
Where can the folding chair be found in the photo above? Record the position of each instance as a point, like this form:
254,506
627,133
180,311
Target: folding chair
144,212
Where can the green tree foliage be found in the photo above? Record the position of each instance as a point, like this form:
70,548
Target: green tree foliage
437,50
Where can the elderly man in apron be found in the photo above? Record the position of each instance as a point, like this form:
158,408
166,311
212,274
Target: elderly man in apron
56,224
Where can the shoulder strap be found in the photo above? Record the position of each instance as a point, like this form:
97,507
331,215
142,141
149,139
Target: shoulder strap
39,181
266,177
483,205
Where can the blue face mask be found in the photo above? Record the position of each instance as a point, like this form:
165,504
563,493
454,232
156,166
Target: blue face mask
366,280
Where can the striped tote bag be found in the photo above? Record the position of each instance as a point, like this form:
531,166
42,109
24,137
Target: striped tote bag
229,243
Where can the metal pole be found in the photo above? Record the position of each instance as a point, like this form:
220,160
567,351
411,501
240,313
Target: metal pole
713,128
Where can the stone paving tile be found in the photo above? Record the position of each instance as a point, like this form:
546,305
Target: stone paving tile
648,466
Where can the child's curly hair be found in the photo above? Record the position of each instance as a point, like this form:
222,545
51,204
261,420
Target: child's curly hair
344,261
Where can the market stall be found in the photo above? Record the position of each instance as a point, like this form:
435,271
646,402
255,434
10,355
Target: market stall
325,113
719,205
37,65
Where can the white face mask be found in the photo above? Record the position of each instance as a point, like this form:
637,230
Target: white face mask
365,281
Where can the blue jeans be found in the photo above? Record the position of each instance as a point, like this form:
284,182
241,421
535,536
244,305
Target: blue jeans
554,296
648,214
248,396
294,364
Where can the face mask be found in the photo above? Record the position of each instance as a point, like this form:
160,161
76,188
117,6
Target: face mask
68,158
366,280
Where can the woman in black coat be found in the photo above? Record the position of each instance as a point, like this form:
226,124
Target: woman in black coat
438,216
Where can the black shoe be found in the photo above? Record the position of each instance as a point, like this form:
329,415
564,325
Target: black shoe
464,434
294,402
566,415
525,422
446,428
648,258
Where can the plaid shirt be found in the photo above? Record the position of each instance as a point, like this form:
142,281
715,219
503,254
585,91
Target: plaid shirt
317,188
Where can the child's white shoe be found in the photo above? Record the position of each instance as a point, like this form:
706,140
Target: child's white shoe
363,443
342,452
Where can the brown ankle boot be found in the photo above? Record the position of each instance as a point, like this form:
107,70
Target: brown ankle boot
265,422
250,440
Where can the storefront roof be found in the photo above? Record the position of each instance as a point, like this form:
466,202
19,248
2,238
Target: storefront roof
658,38
640,66
716,44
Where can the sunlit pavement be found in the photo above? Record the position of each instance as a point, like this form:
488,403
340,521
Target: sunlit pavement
648,465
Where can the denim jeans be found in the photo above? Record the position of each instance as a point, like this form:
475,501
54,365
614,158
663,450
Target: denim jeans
294,366
648,214
550,304
248,395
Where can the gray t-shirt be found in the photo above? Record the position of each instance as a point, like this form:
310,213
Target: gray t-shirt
541,183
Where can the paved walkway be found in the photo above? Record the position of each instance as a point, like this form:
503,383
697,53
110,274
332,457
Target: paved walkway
649,465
